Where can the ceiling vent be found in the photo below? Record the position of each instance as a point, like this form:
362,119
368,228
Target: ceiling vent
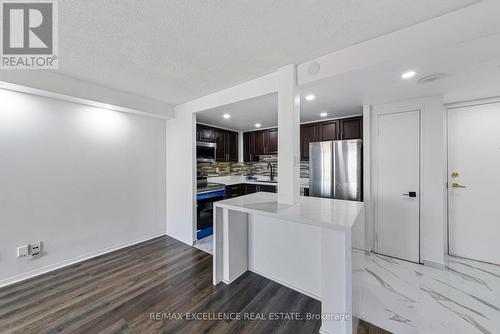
431,78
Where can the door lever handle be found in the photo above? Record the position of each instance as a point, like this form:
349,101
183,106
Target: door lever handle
411,194
457,185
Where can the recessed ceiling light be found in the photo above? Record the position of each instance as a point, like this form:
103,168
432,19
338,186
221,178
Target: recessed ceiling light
226,116
258,125
408,74
323,114
310,97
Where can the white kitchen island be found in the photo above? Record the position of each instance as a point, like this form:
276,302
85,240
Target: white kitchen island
307,247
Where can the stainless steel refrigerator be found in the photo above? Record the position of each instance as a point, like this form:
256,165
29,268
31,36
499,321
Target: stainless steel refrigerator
336,169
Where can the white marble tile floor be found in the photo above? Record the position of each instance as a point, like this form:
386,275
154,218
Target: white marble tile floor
408,298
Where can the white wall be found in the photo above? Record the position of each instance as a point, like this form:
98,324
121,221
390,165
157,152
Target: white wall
181,186
432,173
82,180
286,252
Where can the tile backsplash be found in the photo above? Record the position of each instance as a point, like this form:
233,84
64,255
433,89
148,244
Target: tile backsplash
248,168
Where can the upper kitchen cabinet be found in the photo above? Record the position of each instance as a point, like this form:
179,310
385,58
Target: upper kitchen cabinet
257,143
205,133
351,128
260,143
309,133
220,140
328,130
227,146
227,142
337,129
272,141
231,146
249,147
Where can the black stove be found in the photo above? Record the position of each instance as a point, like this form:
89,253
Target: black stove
209,187
206,194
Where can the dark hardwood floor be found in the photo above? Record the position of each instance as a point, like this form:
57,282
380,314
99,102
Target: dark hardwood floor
145,289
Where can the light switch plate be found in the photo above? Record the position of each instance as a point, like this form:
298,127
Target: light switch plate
22,251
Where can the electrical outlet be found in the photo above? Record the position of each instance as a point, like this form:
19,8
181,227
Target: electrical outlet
23,251
35,248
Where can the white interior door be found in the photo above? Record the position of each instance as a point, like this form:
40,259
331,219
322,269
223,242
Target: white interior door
397,185
474,163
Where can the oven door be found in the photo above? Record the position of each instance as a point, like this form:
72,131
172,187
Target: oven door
205,212
205,152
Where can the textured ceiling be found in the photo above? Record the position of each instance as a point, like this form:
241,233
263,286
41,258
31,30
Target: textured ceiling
178,50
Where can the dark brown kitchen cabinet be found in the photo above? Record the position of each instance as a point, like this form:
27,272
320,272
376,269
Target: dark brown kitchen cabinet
267,189
351,128
265,142
249,147
220,140
272,141
328,131
338,129
257,143
204,133
232,146
234,190
308,134
227,146
260,143
249,189
227,142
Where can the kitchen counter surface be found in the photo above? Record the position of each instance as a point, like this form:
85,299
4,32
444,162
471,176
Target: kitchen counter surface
231,180
321,212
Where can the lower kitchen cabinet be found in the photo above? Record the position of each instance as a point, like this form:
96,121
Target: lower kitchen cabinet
234,190
249,189
246,189
267,189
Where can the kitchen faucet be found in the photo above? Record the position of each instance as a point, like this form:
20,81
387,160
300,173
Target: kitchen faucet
270,165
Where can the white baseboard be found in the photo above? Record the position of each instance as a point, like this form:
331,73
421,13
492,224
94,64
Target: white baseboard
65,263
235,277
286,284
434,264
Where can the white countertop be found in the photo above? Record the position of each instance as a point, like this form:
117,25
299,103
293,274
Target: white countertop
230,180
321,212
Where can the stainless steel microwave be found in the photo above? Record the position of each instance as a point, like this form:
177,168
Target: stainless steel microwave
205,151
